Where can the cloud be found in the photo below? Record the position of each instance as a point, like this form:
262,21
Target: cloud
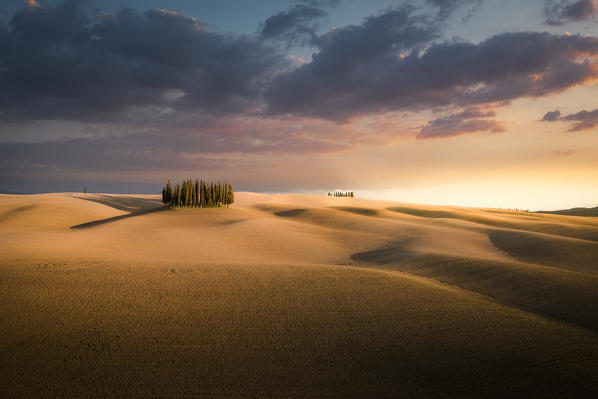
66,62
134,152
109,148
551,116
298,25
471,120
584,119
295,25
564,153
320,3
176,84
559,12
448,7
389,63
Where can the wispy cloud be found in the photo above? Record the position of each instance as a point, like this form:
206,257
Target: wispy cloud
470,120
564,153
584,120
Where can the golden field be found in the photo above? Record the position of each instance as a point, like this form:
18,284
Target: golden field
294,296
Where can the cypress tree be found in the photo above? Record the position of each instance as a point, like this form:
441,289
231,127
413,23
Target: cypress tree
208,195
178,195
219,191
223,193
168,192
183,190
231,194
219,194
207,187
187,192
216,194
193,199
196,191
192,193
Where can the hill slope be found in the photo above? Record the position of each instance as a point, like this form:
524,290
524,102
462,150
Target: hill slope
592,212
294,296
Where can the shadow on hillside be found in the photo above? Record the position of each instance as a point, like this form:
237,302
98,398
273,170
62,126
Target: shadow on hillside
134,205
587,212
124,203
357,211
115,218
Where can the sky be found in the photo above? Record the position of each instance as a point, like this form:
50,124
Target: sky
489,103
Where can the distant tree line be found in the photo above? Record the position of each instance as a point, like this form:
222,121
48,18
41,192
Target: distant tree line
342,194
198,194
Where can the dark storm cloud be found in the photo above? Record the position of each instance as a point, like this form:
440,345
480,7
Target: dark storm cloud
469,121
584,120
559,12
295,25
379,66
65,62
160,68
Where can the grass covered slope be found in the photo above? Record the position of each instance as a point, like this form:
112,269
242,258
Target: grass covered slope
295,296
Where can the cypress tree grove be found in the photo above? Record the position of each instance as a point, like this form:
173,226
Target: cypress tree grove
198,194
349,194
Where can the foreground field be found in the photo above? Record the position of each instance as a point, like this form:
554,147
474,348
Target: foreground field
294,296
